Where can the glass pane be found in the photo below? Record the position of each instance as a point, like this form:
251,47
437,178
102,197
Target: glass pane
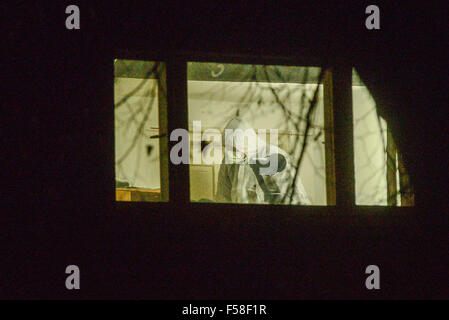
376,160
247,127
137,93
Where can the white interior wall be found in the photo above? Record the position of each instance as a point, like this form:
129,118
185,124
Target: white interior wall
370,138
214,103
138,168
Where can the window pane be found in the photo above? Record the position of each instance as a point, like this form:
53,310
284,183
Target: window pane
377,163
137,101
264,109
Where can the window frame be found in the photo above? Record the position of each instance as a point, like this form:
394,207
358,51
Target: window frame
340,174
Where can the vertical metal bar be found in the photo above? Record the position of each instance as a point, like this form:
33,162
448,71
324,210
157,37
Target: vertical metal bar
407,194
163,133
329,147
391,170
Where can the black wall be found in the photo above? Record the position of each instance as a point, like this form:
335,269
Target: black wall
58,204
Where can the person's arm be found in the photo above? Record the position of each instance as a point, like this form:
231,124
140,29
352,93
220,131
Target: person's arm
224,184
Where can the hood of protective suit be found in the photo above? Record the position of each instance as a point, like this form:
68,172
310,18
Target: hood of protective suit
242,145
241,142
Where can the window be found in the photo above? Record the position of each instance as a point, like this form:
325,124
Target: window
252,134
139,98
243,118
380,178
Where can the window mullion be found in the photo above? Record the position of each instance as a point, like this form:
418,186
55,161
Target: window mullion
176,73
329,139
340,91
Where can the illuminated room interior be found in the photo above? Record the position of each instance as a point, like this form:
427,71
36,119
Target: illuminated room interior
268,97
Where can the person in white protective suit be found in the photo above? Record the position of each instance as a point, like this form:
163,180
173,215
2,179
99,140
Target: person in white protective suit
253,171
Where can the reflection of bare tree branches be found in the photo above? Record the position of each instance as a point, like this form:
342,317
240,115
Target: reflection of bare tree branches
312,105
141,124
374,161
371,184
267,94
295,120
138,87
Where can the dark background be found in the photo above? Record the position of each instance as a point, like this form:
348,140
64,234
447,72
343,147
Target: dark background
58,201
